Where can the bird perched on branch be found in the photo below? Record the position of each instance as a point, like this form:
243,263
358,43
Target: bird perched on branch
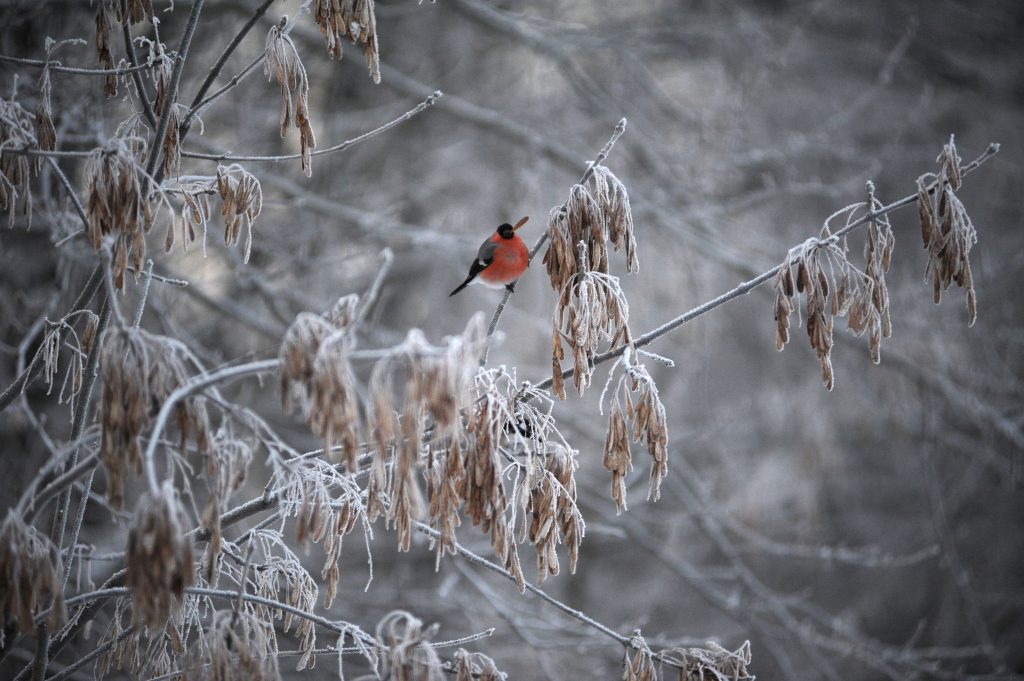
501,260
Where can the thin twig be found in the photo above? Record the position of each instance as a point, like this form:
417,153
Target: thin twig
56,67
387,257
337,147
748,286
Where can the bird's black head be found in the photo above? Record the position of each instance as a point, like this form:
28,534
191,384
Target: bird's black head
506,231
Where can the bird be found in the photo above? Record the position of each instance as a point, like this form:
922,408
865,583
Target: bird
501,260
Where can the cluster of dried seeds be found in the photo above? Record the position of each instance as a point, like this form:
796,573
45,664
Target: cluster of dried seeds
712,662
834,288
548,498
16,132
649,425
46,133
284,64
242,647
475,667
596,213
351,20
641,666
946,229
29,577
242,202
122,201
591,310
315,368
139,371
409,656
159,557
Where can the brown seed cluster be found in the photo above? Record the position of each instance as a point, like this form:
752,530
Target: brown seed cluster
591,311
833,288
946,229
163,67
276,577
29,577
284,64
596,213
139,371
351,20
475,667
242,202
122,201
711,663
641,667
46,133
159,557
105,19
305,487
315,368
548,500
109,13
643,407
242,648
16,170
591,308
409,655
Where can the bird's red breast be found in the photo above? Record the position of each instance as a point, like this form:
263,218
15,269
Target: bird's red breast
511,257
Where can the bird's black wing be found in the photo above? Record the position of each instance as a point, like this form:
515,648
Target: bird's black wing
484,257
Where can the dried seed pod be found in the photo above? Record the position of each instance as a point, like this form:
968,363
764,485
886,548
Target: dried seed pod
29,576
476,667
353,20
16,170
159,557
711,662
242,647
409,655
284,64
946,229
104,21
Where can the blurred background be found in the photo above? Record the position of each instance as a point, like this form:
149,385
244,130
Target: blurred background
871,532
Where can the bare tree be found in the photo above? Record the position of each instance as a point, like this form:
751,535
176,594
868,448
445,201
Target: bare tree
194,427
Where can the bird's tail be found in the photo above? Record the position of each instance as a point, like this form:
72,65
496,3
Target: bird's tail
462,285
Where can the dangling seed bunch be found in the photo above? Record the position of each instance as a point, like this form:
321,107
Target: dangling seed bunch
641,667
712,662
104,22
46,134
591,307
29,577
649,425
946,229
16,126
242,198
409,656
284,64
159,557
591,310
138,371
242,648
124,407
833,287
547,499
277,577
597,212
315,367
352,20
476,667
121,202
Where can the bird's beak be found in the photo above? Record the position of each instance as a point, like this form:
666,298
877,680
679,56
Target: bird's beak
521,223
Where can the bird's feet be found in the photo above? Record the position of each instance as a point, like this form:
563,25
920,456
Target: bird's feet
511,288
